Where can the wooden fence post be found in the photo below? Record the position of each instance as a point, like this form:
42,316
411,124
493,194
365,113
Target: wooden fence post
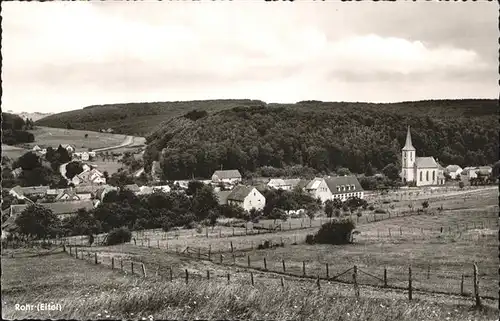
206,232
234,259
389,232
208,275
385,277
171,276
251,278
220,233
121,264
233,230
132,267
410,289
95,258
228,278
232,249
221,259
428,271
400,230
327,271
265,264
248,260
282,282
199,254
476,287
210,252
304,268
76,252
284,268
70,250
317,283
187,276
355,281
112,263
143,269
462,285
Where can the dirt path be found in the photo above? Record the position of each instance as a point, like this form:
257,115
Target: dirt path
129,140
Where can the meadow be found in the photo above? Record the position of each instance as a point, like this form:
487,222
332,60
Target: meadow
88,291
52,137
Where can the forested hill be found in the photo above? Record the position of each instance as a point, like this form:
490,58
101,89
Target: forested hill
138,119
325,136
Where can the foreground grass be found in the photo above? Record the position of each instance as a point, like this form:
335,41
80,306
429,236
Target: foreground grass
94,292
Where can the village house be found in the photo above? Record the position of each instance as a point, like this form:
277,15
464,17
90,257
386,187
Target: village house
101,192
472,172
286,184
339,187
232,176
134,188
423,171
37,148
31,191
246,197
70,148
453,171
162,188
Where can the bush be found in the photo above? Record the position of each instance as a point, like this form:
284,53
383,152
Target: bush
379,211
118,236
335,232
371,207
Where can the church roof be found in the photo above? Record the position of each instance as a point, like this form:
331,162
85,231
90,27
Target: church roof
408,144
425,162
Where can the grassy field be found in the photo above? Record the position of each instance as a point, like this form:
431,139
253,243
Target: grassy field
47,136
110,166
87,291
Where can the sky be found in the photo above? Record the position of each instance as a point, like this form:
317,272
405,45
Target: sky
60,56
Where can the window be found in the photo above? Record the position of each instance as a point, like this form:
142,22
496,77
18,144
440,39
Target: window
427,175
433,175
420,176
353,187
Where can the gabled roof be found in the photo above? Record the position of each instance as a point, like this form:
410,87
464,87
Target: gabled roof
58,208
314,184
83,189
18,189
453,168
35,190
408,144
71,193
67,145
132,187
333,182
277,182
425,162
222,196
227,174
239,193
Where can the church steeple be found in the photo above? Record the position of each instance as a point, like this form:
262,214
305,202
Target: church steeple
408,144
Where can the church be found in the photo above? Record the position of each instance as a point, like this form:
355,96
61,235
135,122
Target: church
424,171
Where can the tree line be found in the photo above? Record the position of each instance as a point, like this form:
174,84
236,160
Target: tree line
14,130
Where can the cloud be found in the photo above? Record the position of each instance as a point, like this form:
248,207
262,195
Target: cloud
69,55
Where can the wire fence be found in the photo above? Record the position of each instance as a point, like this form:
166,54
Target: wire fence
408,279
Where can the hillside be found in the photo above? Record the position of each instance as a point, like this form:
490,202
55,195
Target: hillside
325,136
137,119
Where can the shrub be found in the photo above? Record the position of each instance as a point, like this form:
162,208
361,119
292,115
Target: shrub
386,202
118,236
199,229
371,207
189,225
310,239
379,211
335,232
359,214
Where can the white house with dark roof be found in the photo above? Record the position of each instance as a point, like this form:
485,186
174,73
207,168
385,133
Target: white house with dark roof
246,197
231,176
70,148
423,171
338,187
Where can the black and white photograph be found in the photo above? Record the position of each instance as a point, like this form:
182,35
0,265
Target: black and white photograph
250,160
